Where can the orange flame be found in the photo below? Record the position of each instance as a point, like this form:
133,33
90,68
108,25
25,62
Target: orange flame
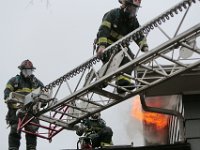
155,119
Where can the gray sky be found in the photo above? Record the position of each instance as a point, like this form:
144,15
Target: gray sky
58,38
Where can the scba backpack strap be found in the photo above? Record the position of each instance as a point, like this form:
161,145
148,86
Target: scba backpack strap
16,82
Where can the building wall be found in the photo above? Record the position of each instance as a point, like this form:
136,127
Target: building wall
192,120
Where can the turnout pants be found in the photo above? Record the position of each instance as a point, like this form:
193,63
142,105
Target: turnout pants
15,136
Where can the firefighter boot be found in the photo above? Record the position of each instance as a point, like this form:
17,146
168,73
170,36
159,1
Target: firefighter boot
103,144
13,148
30,147
125,83
106,137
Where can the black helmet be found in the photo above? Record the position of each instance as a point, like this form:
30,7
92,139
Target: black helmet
133,2
26,64
96,116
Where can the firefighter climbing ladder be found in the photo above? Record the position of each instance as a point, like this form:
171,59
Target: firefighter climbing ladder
90,87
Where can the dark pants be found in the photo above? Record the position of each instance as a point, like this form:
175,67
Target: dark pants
14,139
104,135
15,136
125,60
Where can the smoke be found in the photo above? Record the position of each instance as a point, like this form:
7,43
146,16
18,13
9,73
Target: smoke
134,128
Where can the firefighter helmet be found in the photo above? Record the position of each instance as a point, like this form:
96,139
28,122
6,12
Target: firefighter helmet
26,64
96,116
133,2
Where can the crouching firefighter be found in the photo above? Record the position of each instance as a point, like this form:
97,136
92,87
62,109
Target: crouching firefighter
96,130
24,83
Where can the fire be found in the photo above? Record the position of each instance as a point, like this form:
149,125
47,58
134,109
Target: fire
155,119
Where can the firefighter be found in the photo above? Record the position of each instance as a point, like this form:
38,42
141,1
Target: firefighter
115,24
23,83
95,128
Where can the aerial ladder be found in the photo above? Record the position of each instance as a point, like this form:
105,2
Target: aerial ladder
82,92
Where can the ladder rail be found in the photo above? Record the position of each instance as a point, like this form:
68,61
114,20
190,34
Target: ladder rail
142,60
67,108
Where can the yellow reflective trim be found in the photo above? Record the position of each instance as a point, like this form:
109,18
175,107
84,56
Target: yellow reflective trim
106,24
143,42
110,42
103,144
105,40
115,35
121,77
24,90
102,40
9,86
16,106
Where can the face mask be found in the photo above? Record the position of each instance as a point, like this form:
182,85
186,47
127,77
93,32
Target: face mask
27,72
131,11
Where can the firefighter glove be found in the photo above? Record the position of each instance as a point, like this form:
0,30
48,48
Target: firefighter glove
79,131
100,50
143,45
145,48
